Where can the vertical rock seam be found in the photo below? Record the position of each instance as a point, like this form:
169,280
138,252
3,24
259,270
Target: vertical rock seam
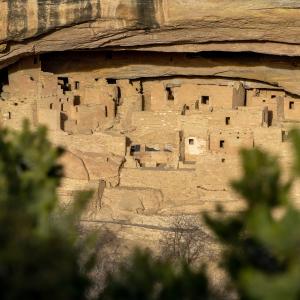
146,14
42,16
17,18
80,11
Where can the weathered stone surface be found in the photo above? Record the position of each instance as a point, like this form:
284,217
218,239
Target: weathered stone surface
35,26
74,167
130,201
283,72
102,167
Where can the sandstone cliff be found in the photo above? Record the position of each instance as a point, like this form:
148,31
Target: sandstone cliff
35,26
263,26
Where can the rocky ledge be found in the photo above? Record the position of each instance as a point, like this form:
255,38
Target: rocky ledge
34,26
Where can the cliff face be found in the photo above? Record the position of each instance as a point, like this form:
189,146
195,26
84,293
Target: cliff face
152,118
263,26
35,26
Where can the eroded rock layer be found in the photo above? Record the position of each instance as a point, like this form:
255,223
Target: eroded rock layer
35,26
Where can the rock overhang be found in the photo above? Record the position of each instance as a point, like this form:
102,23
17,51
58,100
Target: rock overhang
34,27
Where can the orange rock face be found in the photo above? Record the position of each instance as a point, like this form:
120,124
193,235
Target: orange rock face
186,26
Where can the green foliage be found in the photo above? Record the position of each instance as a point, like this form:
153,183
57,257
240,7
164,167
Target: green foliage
39,258
150,279
263,242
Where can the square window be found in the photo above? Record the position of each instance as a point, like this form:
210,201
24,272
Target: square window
222,144
111,81
292,105
191,142
135,148
205,99
76,100
170,95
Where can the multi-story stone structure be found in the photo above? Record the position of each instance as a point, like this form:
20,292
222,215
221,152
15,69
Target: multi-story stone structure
175,137
152,98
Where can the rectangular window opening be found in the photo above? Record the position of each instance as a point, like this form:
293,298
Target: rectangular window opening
135,148
222,144
170,95
77,85
227,120
76,100
191,141
205,100
111,81
64,84
292,105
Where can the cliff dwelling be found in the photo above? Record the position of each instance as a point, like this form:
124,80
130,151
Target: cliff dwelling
152,101
127,130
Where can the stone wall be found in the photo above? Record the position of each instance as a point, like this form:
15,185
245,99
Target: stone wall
150,148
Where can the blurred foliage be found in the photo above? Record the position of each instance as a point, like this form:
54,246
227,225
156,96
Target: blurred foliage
39,256
262,243
186,241
144,277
